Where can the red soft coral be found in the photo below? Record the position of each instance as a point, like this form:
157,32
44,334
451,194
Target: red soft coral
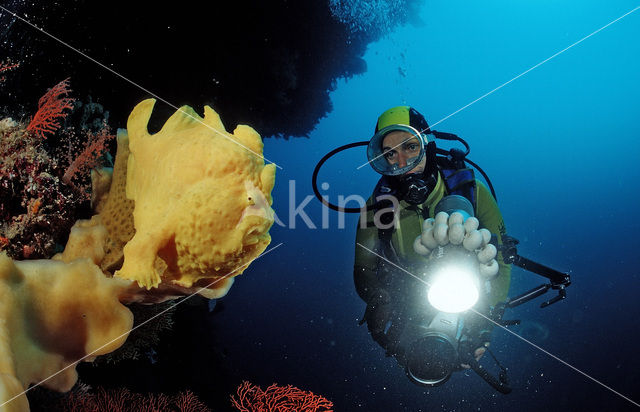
36,208
50,108
89,158
120,400
6,66
251,398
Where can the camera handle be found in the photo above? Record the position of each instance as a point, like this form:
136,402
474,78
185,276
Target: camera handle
559,280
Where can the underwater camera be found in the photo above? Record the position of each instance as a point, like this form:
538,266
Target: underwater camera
435,342
442,330
430,350
441,333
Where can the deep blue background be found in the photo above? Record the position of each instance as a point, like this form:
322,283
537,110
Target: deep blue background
560,144
561,147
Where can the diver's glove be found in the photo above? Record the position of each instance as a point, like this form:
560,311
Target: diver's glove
454,230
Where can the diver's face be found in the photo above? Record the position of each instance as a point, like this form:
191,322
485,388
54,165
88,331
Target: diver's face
399,147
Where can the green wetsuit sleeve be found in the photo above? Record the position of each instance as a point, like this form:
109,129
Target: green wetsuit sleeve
490,218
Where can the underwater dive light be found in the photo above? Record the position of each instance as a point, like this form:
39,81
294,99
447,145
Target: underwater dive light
454,284
453,290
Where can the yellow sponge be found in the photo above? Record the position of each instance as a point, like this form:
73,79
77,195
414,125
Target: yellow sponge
53,314
202,200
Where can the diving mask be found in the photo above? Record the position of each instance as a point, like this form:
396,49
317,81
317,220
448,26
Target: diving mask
400,158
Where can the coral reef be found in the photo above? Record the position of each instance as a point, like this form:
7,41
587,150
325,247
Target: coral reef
55,313
251,398
275,75
123,400
374,17
39,200
215,223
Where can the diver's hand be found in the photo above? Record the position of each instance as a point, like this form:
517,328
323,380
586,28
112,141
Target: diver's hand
478,353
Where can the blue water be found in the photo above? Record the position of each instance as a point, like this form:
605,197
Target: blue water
560,144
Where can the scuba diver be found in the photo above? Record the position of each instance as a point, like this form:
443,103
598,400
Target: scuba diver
405,247
418,180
